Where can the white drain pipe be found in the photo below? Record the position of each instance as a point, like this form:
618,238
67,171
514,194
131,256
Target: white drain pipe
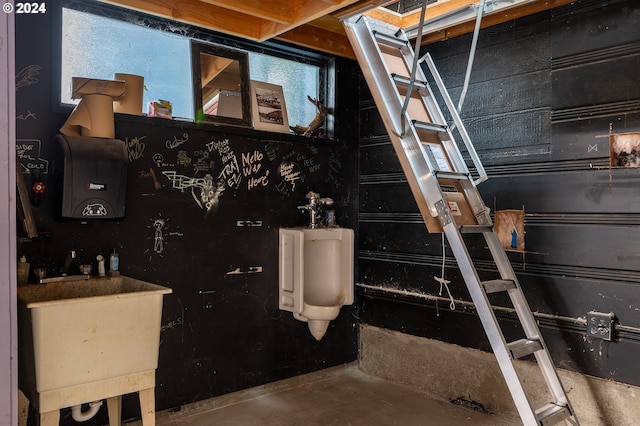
82,416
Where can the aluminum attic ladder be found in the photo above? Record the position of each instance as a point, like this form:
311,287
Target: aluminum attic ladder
448,199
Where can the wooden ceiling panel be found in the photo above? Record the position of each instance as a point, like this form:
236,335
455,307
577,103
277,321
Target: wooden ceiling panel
311,23
198,13
278,11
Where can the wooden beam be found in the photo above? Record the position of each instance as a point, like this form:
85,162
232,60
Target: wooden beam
201,14
385,15
359,7
319,39
211,66
306,11
329,23
273,10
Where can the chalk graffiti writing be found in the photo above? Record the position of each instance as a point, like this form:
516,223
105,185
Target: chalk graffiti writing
170,325
251,162
135,148
28,76
290,174
27,116
176,142
230,173
334,167
183,182
203,162
151,174
28,154
256,182
210,194
271,151
251,165
309,162
183,159
158,160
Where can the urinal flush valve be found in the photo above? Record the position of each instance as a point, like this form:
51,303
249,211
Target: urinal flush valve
314,205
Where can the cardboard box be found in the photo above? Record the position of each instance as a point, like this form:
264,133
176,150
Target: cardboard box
92,86
159,108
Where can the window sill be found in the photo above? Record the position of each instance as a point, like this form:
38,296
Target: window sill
177,123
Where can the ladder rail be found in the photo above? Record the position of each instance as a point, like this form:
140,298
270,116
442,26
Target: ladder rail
489,322
527,320
459,165
414,67
456,119
410,155
429,103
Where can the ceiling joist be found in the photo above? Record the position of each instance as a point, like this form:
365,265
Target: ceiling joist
316,24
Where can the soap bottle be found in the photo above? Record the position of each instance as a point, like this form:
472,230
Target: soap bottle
23,270
100,260
114,263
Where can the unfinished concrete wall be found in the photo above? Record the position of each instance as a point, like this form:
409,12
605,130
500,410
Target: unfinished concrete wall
451,372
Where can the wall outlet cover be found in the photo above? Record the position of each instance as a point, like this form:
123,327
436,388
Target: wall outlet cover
600,325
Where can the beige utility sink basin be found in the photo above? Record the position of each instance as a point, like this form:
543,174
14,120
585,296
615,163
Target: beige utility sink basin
88,340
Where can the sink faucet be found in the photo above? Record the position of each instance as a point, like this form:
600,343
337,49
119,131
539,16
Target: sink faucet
67,263
313,206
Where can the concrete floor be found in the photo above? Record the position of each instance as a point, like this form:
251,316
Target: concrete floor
338,396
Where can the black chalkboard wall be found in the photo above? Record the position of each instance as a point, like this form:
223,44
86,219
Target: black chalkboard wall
221,329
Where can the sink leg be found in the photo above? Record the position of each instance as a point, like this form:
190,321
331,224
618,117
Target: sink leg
148,406
50,418
114,407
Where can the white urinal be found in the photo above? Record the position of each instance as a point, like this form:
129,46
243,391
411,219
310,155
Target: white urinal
315,274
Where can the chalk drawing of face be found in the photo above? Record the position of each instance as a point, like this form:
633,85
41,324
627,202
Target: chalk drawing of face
158,159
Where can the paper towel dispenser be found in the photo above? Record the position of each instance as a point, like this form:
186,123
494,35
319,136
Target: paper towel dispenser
92,177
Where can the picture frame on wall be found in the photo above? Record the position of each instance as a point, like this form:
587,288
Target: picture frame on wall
269,109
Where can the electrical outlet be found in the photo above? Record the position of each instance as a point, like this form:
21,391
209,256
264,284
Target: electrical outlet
207,300
600,325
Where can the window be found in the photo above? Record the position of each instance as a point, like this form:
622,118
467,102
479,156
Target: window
98,47
102,40
297,80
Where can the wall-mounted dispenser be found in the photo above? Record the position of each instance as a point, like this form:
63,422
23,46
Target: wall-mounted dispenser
92,177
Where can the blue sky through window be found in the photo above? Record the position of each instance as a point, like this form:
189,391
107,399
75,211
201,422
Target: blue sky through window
98,47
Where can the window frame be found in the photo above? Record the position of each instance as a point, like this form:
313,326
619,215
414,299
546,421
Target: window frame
198,48
325,63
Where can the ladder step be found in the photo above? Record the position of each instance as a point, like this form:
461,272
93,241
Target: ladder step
523,347
475,229
444,174
552,414
430,127
495,286
402,80
390,40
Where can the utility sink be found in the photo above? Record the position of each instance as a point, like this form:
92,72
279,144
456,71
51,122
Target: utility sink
89,339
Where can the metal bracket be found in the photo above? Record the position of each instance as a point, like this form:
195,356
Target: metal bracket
443,213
